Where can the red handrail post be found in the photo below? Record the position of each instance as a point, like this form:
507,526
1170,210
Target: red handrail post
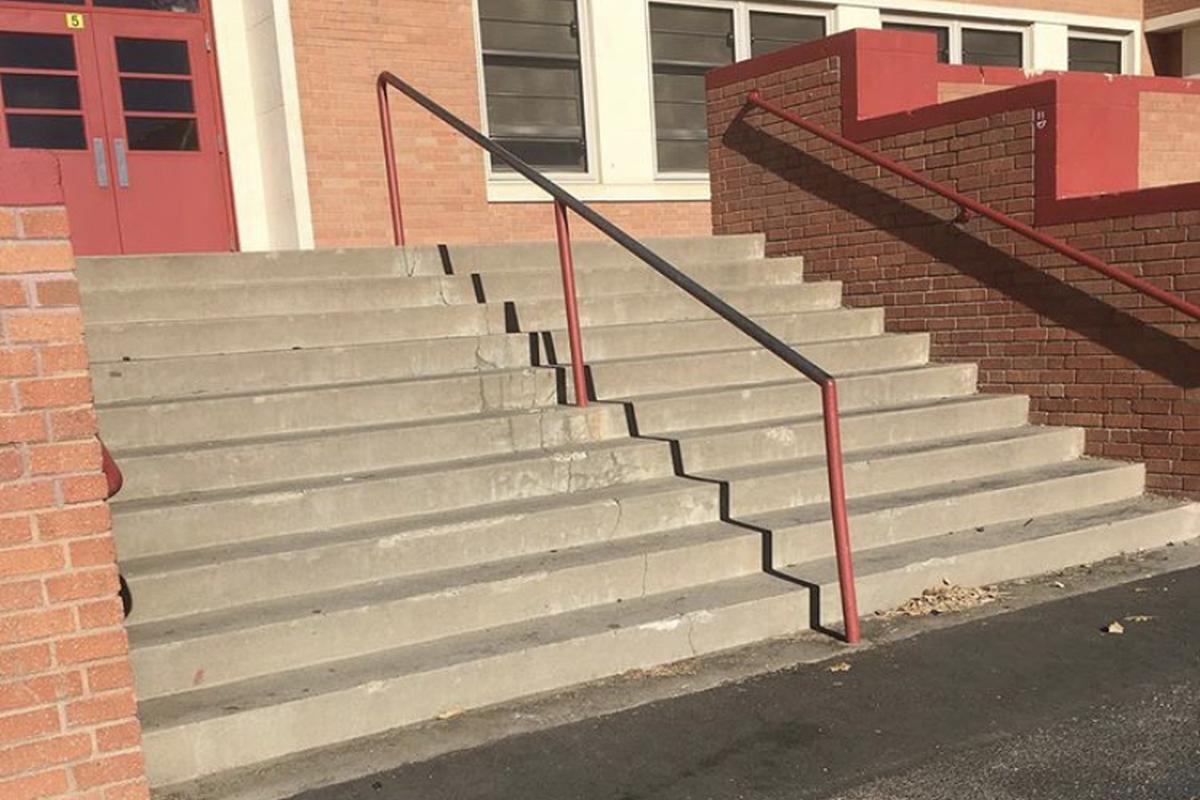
112,473
837,506
578,370
389,156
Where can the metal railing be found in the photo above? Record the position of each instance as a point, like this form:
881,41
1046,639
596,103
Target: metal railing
564,200
969,206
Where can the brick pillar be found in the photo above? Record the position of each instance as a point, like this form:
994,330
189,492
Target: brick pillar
68,724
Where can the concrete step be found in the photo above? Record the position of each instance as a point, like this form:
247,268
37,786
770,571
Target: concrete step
216,466
227,373
209,730
623,309
688,336
178,655
243,573
223,418
200,520
139,340
677,372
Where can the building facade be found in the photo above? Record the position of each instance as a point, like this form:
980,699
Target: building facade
252,124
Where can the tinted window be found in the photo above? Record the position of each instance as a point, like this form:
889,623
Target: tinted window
1094,55
153,94
152,5
771,32
161,133
40,91
154,56
36,50
44,131
993,48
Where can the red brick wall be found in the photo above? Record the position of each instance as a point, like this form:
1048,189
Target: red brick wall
68,725
1159,8
341,46
1089,351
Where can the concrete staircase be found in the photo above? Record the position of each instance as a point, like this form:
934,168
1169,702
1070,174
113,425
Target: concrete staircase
356,500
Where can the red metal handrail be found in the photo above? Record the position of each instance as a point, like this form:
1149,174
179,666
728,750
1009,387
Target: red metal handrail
970,205
564,200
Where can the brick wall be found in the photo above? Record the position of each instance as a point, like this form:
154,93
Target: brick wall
1089,351
341,46
68,725
1159,8
1170,138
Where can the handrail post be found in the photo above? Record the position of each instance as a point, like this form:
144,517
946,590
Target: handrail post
389,155
578,370
837,506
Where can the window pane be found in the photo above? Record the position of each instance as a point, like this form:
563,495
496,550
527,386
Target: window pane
58,2
58,132
686,42
40,91
1094,55
993,48
161,133
36,50
155,56
942,34
771,32
152,5
151,94
533,81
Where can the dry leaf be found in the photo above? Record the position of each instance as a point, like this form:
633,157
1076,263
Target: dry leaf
1139,618
1114,627
841,666
450,713
1058,584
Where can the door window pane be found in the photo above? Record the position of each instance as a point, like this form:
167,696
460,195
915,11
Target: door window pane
58,2
151,5
154,56
685,42
993,48
40,91
36,50
533,81
153,94
771,32
942,34
46,131
1094,55
161,133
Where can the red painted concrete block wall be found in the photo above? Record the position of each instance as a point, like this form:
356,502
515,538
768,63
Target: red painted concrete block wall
68,725
1089,351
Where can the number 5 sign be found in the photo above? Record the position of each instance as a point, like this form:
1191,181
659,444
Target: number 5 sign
76,21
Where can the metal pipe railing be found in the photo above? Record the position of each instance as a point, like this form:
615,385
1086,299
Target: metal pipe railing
970,206
564,200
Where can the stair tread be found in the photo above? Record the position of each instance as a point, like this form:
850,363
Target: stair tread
667,610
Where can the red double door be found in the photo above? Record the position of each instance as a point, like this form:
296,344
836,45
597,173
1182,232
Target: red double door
124,93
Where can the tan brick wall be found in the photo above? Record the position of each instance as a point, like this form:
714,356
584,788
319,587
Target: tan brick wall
957,91
341,45
1087,350
1170,138
1159,8
68,725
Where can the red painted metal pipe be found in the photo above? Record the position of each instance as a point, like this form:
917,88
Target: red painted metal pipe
578,370
837,506
112,473
389,156
970,205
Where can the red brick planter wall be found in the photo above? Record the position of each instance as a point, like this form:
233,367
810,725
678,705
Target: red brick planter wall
68,725
1089,351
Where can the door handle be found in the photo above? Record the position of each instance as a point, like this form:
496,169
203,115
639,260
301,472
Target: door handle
101,162
122,163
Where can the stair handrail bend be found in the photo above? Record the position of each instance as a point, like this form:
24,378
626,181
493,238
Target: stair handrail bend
564,200
969,206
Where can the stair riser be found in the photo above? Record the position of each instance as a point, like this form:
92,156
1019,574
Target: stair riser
538,315
352,502
796,544
730,368
395,554
902,472
241,739
194,376
203,470
230,418
807,439
801,397
633,341
208,337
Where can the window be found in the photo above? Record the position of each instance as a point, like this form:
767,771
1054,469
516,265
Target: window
685,42
942,34
533,81
770,32
1095,55
992,48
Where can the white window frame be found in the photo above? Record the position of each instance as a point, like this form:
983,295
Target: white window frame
956,26
1124,39
741,49
587,65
